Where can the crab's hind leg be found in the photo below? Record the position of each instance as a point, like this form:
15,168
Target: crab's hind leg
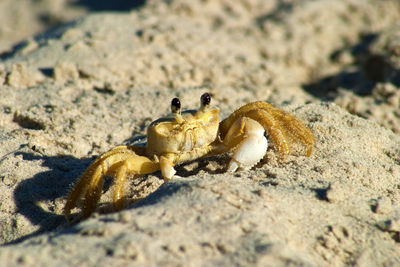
121,161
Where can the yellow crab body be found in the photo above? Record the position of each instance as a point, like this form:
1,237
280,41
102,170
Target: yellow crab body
188,136
195,132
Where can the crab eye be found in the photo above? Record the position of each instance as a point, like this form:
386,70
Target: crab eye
175,105
205,99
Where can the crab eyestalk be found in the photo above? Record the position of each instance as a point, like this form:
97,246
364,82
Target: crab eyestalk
205,101
176,109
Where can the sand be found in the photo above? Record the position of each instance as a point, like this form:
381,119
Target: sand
74,91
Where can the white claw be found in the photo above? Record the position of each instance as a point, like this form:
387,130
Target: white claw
168,173
233,166
167,169
250,151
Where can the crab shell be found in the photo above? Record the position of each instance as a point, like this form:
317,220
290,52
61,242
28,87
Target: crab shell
196,131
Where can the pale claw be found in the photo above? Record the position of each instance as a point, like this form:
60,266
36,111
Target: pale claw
250,151
167,168
246,137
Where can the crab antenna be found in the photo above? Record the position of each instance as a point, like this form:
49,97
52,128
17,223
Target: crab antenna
176,109
205,100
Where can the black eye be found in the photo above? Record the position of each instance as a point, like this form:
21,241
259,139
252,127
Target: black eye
205,99
175,105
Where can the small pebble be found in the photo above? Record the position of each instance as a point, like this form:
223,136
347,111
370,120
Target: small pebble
383,205
336,193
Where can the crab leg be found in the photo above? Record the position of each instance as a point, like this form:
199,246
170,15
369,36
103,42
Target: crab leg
120,180
121,160
281,127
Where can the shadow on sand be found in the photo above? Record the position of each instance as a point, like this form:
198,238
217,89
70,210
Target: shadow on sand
107,5
55,26
46,186
55,183
360,77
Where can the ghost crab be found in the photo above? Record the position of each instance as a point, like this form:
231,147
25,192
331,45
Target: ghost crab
190,135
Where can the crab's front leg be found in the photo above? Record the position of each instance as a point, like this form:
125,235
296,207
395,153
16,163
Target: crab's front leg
120,163
246,137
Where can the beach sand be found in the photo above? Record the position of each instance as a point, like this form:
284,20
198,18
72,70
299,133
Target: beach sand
76,90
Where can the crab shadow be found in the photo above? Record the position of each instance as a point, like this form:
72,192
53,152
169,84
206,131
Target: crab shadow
36,198
185,171
46,187
204,164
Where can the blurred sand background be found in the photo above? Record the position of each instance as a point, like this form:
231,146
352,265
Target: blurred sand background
80,77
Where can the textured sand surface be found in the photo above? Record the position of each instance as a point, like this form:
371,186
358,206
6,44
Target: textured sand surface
77,90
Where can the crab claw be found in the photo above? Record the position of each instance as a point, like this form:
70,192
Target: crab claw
247,138
248,153
167,168
285,132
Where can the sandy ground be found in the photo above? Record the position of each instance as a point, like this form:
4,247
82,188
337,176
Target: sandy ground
74,91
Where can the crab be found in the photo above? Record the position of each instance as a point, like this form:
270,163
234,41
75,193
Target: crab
190,135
